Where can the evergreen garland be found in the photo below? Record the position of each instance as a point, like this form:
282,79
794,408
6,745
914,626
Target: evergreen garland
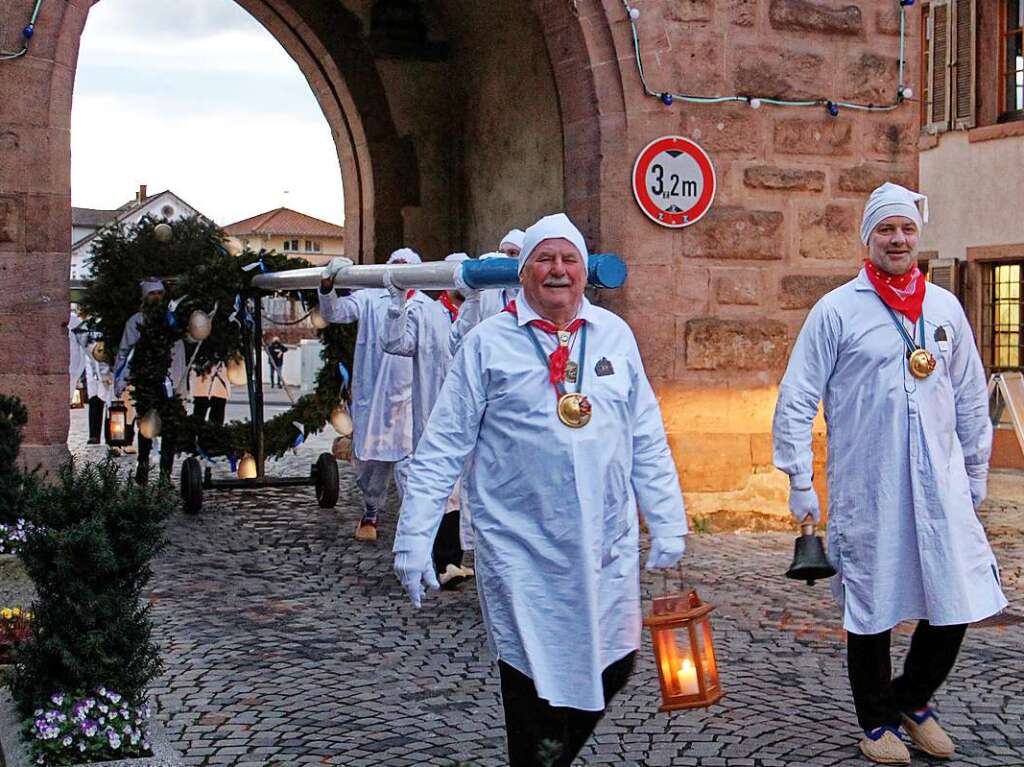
201,274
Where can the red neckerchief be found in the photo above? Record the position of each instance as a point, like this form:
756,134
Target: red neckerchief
559,358
447,303
903,293
409,294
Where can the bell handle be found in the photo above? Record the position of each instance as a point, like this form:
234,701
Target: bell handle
807,526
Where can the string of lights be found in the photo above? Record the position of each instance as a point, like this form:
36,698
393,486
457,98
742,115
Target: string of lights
26,36
832,106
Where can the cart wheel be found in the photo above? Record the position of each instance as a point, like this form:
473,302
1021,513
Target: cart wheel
325,473
191,486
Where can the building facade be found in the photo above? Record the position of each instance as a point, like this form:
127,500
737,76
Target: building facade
289,232
454,125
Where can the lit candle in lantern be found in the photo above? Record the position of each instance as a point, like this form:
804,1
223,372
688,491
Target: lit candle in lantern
687,678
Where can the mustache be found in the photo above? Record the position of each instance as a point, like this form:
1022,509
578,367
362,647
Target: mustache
557,282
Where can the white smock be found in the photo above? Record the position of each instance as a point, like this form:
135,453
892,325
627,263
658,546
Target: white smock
381,383
554,508
211,384
478,306
76,354
902,530
99,378
177,374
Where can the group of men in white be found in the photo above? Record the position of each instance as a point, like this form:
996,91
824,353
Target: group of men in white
533,412
521,424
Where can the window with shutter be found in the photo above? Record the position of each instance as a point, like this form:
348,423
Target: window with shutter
963,62
938,66
943,272
1011,66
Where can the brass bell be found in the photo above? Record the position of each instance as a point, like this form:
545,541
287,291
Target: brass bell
809,560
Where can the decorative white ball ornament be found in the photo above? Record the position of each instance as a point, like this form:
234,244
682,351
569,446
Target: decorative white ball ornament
149,425
755,103
247,467
236,371
163,232
634,13
341,448
341,420
317,319
199,325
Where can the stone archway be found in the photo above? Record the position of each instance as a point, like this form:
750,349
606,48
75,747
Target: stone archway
384,164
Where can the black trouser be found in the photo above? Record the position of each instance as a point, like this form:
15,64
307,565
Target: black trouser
214,405
166,457
878,697
541,735
447,545
96,406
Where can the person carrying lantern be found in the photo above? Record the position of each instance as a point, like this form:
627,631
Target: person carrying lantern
551,398
418,328
893,359
381,389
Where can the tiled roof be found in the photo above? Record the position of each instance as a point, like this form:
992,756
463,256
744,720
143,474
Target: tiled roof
92,217
284,221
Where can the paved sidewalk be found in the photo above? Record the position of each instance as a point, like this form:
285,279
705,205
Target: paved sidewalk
288,643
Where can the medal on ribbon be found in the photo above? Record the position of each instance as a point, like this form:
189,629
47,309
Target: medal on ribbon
920,361
573,408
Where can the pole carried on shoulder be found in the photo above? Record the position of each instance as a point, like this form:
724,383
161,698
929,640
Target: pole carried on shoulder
606,270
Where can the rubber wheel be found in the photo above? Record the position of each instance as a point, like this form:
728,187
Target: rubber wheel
191,486
325,474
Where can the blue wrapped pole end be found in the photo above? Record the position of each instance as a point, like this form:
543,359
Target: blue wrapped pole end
605,270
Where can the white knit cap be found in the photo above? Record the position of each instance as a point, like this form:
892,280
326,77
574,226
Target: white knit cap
892,200
408,255
457,257
151,285
514,237
553,227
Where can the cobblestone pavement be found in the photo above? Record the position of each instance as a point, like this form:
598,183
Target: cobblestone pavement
288,643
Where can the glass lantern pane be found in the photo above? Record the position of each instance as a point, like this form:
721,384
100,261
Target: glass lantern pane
682,671
707,652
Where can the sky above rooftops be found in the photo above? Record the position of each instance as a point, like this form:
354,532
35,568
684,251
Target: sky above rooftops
197,97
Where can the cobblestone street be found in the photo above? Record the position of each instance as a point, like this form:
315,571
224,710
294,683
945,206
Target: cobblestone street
288,643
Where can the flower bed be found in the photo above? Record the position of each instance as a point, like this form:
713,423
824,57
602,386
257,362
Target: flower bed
97,727
14,629
13,536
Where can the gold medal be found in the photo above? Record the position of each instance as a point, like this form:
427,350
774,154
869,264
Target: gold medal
922,363
574,410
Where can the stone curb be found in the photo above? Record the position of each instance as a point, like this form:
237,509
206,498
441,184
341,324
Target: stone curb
14,751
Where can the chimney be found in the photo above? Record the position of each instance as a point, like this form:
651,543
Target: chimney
142,193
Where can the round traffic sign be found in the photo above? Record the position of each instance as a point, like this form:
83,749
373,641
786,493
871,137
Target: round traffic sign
673,181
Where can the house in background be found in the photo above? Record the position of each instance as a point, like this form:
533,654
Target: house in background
290,232
972,169
86,223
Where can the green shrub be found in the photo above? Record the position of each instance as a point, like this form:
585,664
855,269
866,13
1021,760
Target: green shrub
13,417
95,534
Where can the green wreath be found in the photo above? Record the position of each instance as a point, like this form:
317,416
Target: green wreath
199,273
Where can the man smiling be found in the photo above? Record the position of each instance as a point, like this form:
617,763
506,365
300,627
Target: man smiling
893,359
551,398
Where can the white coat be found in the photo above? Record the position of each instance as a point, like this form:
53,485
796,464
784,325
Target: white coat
213,384
554,508
478,307
381,383
177,373
99,378
902,531
76,353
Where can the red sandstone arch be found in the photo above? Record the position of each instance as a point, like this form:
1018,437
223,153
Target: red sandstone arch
378,166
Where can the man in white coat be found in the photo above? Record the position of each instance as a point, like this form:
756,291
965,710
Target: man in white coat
381,389
552,399
419,328
99,385
481,304
894,361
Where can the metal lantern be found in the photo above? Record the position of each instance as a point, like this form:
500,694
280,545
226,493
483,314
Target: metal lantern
149,425
247,467
317,319
117,424
341,420
236,371
199,325
684,652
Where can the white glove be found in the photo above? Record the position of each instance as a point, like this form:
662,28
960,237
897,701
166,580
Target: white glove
413,570
665,552
336,264
977,479
468,293
397,293
804,501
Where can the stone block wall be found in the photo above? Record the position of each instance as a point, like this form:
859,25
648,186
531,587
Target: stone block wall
717,305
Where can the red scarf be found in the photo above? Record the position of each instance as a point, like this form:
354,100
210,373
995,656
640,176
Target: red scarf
448,304
903,293
409,294
559,358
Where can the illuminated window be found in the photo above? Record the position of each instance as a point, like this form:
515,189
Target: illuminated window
1001,326
1011,60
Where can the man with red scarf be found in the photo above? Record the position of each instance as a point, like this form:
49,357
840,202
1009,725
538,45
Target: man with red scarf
893,359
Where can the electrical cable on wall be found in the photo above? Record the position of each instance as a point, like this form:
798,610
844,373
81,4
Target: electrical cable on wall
832,106
26,36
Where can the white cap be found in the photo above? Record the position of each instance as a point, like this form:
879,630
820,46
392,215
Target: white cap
514,237
892,200
457,257
151,285
408,255
553,227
